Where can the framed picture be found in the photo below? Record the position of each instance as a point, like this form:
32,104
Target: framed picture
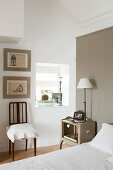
16,87
17,60
79,116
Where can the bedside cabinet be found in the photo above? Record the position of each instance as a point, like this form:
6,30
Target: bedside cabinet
77,133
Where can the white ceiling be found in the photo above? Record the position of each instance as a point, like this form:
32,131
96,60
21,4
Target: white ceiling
87,10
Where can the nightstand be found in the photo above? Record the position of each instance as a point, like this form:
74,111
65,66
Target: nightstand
77,133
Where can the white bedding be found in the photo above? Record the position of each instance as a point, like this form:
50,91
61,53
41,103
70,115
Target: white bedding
80,157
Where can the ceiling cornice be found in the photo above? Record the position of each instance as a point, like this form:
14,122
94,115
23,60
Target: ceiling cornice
96,25
97,18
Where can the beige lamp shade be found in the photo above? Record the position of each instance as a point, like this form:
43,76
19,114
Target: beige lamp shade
84,83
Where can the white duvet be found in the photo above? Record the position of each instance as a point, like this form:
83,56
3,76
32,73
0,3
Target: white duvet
80,157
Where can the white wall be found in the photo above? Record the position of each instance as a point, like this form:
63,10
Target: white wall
11,20
50,34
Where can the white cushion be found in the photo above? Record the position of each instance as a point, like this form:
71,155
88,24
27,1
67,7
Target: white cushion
104,139
20,131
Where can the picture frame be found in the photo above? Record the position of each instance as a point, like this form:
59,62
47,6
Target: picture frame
16,87
79,116
17,60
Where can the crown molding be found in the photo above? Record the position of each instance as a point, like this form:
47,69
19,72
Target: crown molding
100,17
95,24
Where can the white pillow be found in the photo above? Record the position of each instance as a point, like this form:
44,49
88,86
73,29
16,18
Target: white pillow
104,139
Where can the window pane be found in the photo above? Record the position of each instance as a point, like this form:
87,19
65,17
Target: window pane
48,84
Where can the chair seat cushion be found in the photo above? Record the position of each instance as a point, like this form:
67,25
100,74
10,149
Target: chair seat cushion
21,131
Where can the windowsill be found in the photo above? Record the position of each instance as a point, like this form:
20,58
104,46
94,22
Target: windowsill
44,106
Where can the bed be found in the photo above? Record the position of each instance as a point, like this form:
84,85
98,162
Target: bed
80,157
95,155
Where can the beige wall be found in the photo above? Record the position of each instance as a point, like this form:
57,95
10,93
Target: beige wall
95,61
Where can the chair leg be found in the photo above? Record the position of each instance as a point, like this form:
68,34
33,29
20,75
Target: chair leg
12,151
26,144
61,144
9,146
34,146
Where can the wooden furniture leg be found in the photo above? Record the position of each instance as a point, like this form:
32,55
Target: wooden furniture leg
61,144
9,146
12,151
26,144
34,146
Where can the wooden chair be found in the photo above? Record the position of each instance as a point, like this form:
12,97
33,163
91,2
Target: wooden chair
18,115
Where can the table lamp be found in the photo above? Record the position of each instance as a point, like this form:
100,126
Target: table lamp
84,83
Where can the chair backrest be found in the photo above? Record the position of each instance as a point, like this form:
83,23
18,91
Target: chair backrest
17,112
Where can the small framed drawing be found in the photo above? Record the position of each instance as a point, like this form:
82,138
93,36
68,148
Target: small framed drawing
17,60
79,116
16,87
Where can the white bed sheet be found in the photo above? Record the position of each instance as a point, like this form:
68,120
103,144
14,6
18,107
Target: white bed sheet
80,157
